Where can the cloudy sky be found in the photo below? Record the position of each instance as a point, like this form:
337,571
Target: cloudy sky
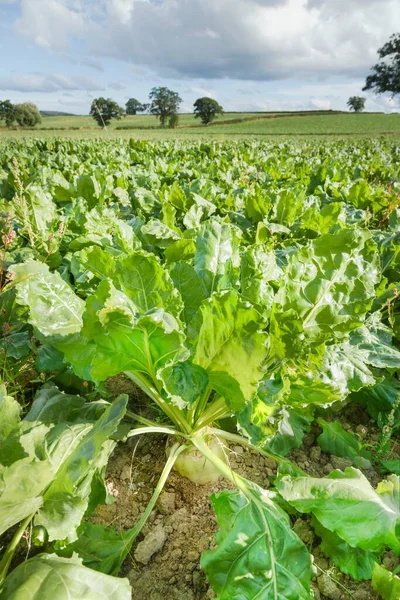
248,54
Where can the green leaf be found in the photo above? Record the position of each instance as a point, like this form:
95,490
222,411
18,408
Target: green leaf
54,309
258,268
373,341
335,440
190,287
368,518
50,576
159,234
392,465
115,338
100,262
142,278
184,382
269,422
385,583
258,556
66,499
216,259
21,488
352,561
330,283
100,548
88,188
229,344
10,411
180,250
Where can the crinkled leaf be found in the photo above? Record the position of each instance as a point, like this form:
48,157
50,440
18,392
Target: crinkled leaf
346,503
54,309
159,234
142,278
329,284
228,343
184,382
50,576
216,259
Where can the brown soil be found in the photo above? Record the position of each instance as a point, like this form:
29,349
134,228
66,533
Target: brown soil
187,520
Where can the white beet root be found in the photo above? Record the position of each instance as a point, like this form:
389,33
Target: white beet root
193,465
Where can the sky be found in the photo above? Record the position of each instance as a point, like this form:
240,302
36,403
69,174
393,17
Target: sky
250,55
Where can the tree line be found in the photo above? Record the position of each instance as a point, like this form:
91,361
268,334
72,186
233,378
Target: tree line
164,104
25,115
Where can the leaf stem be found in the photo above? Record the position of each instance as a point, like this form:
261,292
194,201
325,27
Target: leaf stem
217,410
134,532
172,412
12,546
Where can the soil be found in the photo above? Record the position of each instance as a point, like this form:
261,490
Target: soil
164,564
183,524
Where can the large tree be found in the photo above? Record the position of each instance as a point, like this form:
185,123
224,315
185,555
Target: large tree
133,106
356,103
105,109
7,112
207,109
385,76
27,114
165,104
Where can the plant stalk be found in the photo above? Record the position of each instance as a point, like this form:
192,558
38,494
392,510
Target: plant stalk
11,548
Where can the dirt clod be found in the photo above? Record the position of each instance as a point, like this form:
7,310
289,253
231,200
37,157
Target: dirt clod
152,543
328,588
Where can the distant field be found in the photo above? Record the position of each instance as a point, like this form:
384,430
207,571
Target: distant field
227,127
134,121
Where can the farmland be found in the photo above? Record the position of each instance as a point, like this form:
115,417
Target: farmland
200,349
230,125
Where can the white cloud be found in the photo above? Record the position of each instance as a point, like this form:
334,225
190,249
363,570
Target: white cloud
240,39
37,82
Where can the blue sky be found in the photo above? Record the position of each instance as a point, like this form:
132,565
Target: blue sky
248,54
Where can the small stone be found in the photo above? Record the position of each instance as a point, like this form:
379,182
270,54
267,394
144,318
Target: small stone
328,468
193,556
152,543
166,503
328,588
238,449
172,580
126,473
340,462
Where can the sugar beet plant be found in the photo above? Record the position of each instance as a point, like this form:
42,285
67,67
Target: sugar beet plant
260,314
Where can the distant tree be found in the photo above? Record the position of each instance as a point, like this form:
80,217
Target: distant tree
7,112
105,109
133,106
207,109
165,104
385,76
145,107
27,114
356,103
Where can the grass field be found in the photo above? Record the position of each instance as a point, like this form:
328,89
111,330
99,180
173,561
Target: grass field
231,125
